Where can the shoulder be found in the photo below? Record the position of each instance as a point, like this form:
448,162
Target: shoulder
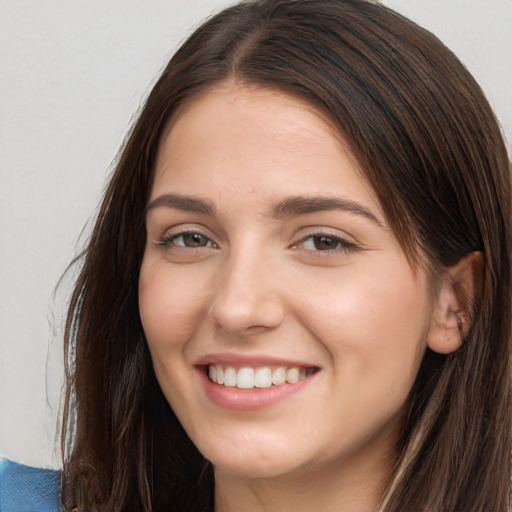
25,488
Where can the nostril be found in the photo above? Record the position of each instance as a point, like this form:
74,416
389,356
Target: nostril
247,314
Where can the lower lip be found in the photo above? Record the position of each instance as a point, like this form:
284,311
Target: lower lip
250,399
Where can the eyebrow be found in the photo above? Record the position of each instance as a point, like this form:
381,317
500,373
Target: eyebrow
301,205
290,207
180,202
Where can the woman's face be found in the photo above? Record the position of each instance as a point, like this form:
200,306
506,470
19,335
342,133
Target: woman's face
284,321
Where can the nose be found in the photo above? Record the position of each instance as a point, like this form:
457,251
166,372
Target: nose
249,295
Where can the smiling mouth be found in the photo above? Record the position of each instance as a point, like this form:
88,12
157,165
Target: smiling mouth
261,377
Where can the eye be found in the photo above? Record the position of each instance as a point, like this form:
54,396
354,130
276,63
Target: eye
325,243
188,239
191,240
322,243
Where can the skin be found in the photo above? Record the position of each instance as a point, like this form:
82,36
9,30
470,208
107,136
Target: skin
256,282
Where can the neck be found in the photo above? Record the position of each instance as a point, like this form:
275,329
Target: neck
331,487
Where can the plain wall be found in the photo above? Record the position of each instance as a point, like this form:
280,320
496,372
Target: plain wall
73,76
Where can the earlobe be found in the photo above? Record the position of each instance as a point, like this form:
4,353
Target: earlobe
452,316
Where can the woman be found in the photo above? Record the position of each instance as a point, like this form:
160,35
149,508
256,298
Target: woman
297,293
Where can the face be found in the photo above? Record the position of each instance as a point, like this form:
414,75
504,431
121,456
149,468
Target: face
284,321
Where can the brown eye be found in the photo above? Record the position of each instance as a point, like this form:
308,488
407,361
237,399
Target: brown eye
192,240
187,240
325,243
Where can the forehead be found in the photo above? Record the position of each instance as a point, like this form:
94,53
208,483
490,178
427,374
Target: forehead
256,112
258,138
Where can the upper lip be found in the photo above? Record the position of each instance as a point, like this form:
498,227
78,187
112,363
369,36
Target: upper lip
230,359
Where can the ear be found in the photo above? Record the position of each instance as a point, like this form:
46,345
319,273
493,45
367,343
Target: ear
453,312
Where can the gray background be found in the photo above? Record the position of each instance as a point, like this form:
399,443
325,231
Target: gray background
74,74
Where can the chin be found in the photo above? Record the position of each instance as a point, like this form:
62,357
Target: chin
254,470
255,459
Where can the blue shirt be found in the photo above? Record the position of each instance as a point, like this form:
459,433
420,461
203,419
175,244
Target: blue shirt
28,489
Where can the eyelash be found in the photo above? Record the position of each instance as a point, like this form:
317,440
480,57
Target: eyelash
342,245
169,240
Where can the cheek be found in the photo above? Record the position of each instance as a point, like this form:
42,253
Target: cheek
373,322
170,304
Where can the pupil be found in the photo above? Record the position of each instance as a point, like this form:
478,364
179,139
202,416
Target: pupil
325,242
194,240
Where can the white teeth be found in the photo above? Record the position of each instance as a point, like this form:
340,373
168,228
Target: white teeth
230,377
220,374
245,378
262,377
279,376
292,375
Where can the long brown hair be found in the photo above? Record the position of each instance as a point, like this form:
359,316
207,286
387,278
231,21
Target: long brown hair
429,145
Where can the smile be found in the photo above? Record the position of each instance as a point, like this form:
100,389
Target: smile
262,377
